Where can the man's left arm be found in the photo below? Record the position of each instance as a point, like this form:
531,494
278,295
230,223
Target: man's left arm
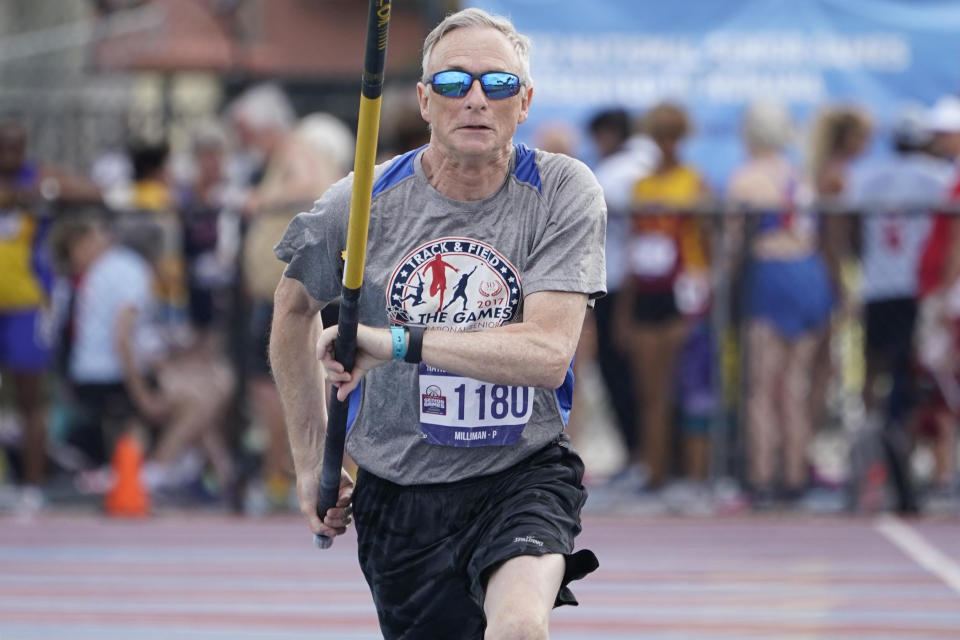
535,352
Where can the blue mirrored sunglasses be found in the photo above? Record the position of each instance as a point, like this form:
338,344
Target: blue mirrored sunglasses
496,85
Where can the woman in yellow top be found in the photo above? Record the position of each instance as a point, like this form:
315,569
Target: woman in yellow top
25,280
666,285
24,345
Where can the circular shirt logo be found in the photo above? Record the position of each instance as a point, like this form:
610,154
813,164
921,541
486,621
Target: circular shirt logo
454,282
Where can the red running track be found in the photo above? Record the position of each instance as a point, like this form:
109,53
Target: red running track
202,577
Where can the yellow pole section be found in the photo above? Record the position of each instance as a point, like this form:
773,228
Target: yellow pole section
368,126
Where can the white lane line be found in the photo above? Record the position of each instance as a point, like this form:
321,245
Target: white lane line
919,550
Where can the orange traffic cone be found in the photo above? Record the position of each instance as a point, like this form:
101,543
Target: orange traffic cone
127,497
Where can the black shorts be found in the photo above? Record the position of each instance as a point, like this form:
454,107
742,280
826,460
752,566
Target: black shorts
103,414
655,307
889,326
428,550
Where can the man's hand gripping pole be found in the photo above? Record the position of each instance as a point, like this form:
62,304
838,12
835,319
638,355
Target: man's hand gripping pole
368,124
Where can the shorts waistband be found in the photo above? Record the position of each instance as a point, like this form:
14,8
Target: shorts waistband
366,476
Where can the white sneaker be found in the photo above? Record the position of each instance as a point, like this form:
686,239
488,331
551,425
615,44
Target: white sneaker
32,499
95,481
688,498
631,479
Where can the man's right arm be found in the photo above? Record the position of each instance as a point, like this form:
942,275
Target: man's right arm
299,378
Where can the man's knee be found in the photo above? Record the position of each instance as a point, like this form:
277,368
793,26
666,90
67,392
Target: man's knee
517,624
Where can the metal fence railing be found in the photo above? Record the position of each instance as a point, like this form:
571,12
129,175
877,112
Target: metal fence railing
792,365
809,361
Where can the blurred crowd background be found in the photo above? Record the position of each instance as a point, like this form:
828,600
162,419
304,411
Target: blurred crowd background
782,327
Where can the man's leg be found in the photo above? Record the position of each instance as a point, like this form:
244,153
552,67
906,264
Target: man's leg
520,595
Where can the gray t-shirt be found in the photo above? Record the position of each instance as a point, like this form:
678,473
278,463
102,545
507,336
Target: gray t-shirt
460,266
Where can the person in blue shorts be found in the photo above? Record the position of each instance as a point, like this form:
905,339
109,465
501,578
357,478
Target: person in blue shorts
788,301
28,192
468,495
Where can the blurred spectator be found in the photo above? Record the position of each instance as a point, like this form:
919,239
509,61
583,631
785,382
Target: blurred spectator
697,396
318,152
625,158
402,127
666,247
109,330
610,129
201,202
945,125
29,194
556,137
788,301
261,118
152,227
895,199
112,172
123,375
939,315
840,134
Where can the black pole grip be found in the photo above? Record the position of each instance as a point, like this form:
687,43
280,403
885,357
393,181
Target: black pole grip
332,462
378,23
337,411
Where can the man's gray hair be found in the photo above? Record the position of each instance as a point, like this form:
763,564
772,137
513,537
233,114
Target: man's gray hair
479,18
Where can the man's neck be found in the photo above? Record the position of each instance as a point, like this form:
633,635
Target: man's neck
465,178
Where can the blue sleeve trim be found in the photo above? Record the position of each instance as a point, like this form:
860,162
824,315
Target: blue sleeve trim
564,395
353,406
526,169
401,168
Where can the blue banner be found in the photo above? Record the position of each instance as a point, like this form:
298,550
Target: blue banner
715,56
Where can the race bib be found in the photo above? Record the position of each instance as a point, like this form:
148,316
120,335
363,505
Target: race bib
456,411
653,255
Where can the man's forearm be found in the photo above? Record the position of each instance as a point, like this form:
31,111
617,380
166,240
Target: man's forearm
299,379
535,352
517,354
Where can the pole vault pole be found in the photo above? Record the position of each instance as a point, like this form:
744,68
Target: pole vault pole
368,124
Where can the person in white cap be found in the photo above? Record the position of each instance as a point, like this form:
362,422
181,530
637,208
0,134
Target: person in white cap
944,124
895,198
938,343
